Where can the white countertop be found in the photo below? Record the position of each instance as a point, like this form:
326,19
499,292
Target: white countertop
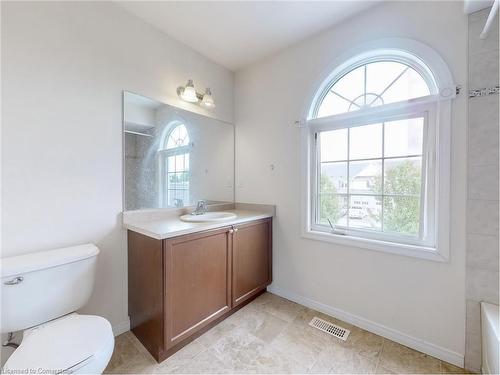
171,226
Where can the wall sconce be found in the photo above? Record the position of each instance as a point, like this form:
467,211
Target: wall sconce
189,94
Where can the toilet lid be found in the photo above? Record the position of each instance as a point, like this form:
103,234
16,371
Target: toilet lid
62,344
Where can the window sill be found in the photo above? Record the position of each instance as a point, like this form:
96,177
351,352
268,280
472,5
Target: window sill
413,251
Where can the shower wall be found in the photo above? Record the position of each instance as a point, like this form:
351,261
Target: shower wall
482,199
140,177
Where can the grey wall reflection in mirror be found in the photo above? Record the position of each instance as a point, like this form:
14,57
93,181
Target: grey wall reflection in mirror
173,158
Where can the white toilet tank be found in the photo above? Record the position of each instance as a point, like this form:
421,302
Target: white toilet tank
45,285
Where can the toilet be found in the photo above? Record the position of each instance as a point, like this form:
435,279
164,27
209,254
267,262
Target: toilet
40,294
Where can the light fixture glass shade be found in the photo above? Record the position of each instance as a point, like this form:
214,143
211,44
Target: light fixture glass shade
189,93
208,100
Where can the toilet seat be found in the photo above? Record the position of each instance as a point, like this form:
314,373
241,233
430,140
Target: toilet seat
74,343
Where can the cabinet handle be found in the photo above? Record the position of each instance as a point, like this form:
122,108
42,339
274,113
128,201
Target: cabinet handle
231,231
235,229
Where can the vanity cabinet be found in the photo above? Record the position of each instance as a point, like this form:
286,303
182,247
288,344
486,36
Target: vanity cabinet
197,285
182,286
251,260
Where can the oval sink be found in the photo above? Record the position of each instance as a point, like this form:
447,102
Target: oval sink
209,216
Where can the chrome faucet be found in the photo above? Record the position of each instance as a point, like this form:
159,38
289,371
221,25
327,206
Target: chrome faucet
201,208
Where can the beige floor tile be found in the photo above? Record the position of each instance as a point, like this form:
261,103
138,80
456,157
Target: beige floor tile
259,323
382,370
217,332
280,307
181,358
138,365
136,343
342,359
265,298
272,361
365,343
448,368
404,360
238,349
205,362
272,336
237,316
301,343
124,352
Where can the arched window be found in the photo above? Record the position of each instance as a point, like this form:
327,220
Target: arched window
373,160
371,85
174,166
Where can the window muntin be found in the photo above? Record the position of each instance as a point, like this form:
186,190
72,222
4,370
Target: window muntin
370,85
373,185
178,180
177,137
174,166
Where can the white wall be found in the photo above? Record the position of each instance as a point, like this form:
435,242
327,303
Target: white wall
423,301
64,66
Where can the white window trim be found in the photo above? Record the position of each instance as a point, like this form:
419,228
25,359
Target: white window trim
425,107
444,91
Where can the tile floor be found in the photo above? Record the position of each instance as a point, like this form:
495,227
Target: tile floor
272,335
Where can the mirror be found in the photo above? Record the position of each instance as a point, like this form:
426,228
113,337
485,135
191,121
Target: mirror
172,157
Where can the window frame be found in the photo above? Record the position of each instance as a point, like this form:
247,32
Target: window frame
432,67
408,62
420,108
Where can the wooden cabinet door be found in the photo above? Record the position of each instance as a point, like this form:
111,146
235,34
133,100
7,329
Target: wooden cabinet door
197,282
252,268
145,291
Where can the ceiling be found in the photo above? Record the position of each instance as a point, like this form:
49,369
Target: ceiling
237,33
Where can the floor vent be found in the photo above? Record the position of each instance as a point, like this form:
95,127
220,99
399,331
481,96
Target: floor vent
330,328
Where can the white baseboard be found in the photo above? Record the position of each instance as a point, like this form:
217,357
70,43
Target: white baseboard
379,329
122,327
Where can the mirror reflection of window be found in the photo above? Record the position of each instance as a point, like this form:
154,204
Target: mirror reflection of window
173,157
174,162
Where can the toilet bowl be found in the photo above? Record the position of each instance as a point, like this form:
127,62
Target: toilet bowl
72,344
40,294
